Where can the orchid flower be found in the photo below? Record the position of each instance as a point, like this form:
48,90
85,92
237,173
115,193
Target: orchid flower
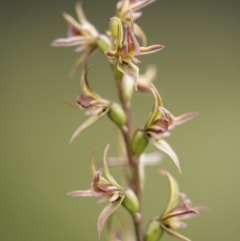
171,218
126,51
96,106
83,35
160,121
106,189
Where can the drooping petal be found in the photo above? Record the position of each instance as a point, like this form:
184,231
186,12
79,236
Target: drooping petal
174,234
80,193
106,169
131,70
87,123
150,49
165,147
174,190
107,211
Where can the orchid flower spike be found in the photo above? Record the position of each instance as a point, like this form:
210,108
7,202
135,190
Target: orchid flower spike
171,218
126,51
96,106
84,36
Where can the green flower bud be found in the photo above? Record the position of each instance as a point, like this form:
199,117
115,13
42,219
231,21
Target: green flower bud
130,201
116,114
139,142
154,231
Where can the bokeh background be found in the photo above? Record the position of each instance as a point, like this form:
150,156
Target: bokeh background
198,70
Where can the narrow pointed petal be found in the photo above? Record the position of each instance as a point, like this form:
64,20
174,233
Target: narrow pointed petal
156,114
81,16
72,21
92,164
107,171
107,211
140,4
86,124
182,215
151,49
80,193
174,234
73,105
67,42
185,117
165,147
86,87
131,70
174,190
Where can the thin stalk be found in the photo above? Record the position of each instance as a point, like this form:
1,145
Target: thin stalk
133,161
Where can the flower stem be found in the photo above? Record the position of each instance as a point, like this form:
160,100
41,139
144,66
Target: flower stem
133,161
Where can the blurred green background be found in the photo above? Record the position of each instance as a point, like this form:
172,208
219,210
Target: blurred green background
198,70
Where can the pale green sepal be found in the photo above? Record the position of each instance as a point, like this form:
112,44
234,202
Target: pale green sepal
107,171
174,234
165,147
92,164
174,192
86,124
156,114
139,142
154,231
130,201
106,212
116,114
116,30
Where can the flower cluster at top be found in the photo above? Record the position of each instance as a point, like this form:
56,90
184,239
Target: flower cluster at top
120,47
